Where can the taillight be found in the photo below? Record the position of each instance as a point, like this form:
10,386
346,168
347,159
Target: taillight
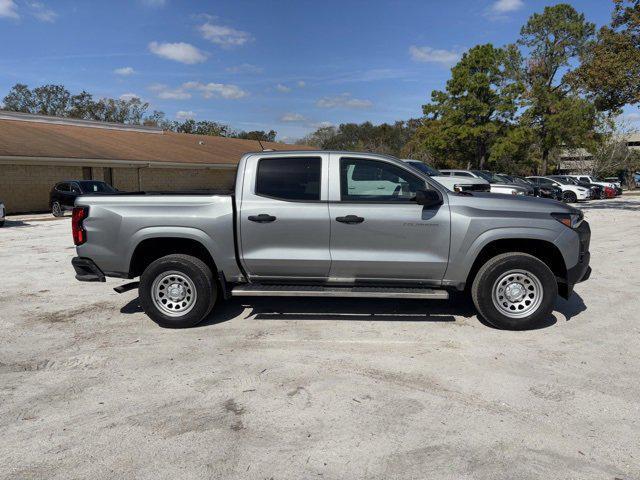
77,229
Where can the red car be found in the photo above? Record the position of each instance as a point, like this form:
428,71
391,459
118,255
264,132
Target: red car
609,192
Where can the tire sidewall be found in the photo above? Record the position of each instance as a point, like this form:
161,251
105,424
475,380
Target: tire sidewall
200,275
571,197
483,290
56,212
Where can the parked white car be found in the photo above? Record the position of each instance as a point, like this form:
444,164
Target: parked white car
592,179
497,185
2,210
570,193
453,183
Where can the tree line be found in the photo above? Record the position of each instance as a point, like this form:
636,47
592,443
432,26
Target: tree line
559,87
56,100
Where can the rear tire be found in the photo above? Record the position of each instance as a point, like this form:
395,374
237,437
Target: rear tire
514,291
56,209
177,291
570,197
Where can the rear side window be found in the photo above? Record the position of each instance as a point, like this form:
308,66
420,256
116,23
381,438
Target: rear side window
289,178
62,187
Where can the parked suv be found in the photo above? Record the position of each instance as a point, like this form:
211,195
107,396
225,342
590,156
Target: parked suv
63,195
497,185
597,191
453,183
595,180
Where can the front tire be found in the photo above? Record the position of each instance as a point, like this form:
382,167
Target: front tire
570,197
177,291
514,291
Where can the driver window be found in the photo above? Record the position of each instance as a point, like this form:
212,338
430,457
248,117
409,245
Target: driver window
363,180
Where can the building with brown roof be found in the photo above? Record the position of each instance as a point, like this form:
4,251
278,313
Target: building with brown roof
38,151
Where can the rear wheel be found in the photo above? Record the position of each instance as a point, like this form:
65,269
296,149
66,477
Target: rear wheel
177,291
570,197
56,209
514,291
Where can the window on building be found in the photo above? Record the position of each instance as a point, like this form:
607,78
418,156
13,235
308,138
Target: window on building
289,178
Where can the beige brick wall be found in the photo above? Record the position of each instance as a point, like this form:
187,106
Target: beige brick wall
25,188
186,179
126,179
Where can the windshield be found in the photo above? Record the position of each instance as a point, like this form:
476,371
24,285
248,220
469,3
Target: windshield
488,176
89,187
424,168
561,181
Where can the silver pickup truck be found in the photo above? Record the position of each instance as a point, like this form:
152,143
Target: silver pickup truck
340,224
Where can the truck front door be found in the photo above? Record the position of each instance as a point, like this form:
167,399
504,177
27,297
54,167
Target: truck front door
378,232
284,217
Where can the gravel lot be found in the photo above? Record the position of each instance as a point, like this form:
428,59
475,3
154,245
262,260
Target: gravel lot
278,388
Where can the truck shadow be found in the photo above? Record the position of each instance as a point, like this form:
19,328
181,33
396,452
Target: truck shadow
358,309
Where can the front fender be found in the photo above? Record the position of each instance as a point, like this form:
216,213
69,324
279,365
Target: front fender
465,252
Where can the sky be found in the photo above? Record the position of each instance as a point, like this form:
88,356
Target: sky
291,66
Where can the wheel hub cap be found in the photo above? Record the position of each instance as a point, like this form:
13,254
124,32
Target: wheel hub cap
174,293
517,293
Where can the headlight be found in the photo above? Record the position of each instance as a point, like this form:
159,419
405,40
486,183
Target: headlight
571,220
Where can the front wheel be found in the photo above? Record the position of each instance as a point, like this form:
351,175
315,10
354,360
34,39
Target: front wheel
570,197
514,291
177,291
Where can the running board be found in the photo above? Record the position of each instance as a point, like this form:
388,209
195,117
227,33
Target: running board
261,290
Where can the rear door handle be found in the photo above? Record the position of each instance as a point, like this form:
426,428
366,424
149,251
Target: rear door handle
350,219
262,218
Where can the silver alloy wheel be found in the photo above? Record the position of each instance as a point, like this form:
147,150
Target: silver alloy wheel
517,293
174,293
57,210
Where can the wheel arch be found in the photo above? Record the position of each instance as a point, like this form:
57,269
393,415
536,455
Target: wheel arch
150,247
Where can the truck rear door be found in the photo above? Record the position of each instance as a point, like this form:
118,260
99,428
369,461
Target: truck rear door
284,217
378,233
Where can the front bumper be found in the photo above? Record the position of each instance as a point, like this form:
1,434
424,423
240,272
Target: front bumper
581,271
87,270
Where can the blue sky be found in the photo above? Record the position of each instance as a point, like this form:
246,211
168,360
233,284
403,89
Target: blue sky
286,65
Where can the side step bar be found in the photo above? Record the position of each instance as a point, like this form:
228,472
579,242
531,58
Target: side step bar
256,290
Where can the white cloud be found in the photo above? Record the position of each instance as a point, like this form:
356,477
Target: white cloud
322,125
42,12
179,52
301,84
343,101
185,115
505,6
245,68
292,117
224,36
166,93
128,96
428,54
8,9
124,71
283,88
213,90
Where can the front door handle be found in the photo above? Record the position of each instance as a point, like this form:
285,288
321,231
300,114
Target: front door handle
262,218
350,219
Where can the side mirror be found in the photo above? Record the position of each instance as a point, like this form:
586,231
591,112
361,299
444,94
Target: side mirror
428,198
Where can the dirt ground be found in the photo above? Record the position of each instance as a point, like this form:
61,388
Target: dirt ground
313,388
